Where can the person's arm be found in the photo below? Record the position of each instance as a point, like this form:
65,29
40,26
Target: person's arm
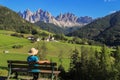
43,61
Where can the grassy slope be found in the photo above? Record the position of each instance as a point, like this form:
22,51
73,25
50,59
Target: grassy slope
7,41
53,50
6,32
10,56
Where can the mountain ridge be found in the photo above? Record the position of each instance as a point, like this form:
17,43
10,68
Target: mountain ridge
10,20
105,30
62,20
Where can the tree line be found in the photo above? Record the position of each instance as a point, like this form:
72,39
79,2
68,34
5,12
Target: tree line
91,64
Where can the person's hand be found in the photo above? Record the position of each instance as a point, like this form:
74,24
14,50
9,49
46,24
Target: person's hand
47,61
43,61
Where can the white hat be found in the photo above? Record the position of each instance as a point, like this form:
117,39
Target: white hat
33,51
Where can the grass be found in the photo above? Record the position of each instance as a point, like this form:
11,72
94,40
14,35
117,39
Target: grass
6,32
9,56
53,50
7,41
19,56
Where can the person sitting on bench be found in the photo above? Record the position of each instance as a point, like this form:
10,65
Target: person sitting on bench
33,58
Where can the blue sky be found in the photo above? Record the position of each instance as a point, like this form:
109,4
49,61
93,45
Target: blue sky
93,8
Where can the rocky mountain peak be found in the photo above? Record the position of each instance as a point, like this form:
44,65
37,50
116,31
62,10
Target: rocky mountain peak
67,17
39,11
62,20
28,12
85,19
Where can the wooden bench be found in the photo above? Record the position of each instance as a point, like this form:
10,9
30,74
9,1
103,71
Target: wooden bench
24,66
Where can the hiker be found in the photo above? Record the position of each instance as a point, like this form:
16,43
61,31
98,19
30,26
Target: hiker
33,58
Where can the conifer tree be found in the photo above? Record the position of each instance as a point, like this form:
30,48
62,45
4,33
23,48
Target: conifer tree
117,63
75,65
105,63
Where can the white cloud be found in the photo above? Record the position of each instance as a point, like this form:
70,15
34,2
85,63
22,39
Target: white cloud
108,0
112,12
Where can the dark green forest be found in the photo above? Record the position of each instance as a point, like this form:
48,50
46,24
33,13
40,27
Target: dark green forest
10,20
56,29
90,64
50,27
105,30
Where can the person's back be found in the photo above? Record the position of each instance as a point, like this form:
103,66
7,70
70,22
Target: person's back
33,58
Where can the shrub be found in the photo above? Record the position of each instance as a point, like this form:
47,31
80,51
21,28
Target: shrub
17,46
17,35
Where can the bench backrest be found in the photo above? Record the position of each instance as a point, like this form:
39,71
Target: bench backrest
29,66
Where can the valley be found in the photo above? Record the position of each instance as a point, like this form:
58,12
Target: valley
80,46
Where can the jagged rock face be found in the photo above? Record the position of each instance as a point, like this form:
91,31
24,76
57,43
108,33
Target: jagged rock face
85,19
62,20
68,17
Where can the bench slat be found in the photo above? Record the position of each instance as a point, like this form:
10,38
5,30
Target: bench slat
49,71
17,62
24,66
32,67
20,69
25,62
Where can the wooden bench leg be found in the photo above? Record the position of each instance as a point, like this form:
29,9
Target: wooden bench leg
9,73
8,76
56,76
52,77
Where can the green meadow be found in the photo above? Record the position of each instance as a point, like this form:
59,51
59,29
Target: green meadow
7,41
54,51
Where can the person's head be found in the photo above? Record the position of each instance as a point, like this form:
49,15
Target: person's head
33,51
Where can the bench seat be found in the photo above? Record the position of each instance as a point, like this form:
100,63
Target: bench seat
24,66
